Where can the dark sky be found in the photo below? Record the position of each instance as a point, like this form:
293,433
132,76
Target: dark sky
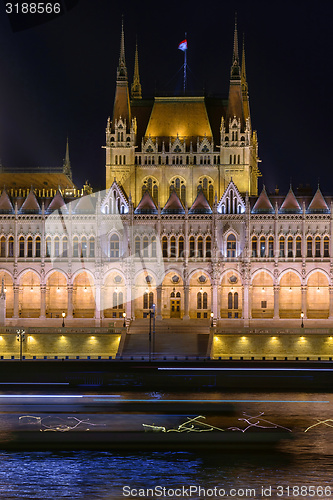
58,79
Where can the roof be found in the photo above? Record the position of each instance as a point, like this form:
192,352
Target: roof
57,202
318,202
263,203
290,203
146,204
5,203
200,204
40,180
30,202
173,205
179,116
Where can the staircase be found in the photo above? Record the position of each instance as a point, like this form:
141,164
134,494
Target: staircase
173,337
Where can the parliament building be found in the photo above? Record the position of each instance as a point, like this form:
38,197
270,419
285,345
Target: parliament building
180,225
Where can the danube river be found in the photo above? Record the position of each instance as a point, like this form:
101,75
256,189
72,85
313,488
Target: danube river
300,467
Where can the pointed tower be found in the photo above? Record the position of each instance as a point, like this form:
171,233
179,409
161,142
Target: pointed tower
66,168
239,151
121,107
235,102
136,85
121,131
245,90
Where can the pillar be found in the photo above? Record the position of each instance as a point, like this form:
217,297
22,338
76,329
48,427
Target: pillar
70,301
129,301
276,302
331,302
303,297
159,302
16,289
214,300
42,301
186,302
97,303
246,315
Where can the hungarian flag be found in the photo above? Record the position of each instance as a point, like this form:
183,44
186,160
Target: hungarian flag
183,45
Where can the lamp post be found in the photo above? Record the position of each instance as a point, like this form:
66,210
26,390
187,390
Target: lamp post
124,316
63,314
302,316
20,337
211,319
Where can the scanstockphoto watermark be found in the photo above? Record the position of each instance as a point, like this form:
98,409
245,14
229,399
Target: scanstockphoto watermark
187,492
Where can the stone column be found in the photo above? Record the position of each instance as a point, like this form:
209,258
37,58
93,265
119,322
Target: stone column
186,302
214,306
16,289
159,302
303,295
97,303
276,302
246,315
70,301
42,301
331,302
129,296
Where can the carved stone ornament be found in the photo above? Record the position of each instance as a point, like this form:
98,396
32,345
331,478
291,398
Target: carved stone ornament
117,279
148,279
233,279
175,279
202,279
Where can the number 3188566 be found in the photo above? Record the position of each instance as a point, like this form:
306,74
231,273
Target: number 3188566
33,8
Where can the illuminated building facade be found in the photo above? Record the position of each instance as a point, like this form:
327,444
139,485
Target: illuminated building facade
180,225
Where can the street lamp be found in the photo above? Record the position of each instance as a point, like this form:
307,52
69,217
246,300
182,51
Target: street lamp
124,316
151,315
20,337
302,316
63,314
211,319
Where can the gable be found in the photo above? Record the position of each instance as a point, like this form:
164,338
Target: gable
231,201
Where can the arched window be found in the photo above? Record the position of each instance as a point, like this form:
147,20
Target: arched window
165,247
114,246
262,246
200,246
114,300
317,246
150,185
3,246
37,246
231,246
254,246
271,246
298,246
11,246
153,246
21,246
208,253
326,246
137,246
155,194
145,246
199,300
48,246
290,246
173,246
65,247
183,194
281,246
236,300
75,246
230,301
145,300
192,247
151,299
309,246
56,246
204,300
91,246
181,247
83,247
120,300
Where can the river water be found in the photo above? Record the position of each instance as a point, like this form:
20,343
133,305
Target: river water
301,467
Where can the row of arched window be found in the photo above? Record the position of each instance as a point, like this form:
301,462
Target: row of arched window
31,247
178,185
177,160
199,247
290,246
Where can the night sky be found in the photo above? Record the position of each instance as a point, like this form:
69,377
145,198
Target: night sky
58,79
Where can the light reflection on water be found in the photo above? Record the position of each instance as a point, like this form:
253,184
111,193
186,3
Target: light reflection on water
307,460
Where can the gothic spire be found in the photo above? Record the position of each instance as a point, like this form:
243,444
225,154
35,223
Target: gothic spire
67,164
122,70
121,107
235,103
245,95
136,86
235,70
